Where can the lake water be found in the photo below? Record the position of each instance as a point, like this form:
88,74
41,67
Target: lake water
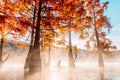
82,72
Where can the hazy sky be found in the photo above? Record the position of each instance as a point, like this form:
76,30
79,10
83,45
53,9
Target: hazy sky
113,13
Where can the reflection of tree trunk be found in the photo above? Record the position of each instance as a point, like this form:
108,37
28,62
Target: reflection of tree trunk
35,65
1,48
49,57
71,61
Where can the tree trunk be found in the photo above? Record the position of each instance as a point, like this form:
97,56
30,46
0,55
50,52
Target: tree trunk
1,48
99,50
71,61
1,45
28,59
30,52
100,57
101,64
35,65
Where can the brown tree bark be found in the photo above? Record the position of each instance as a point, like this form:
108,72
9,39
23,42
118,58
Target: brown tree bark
30,52
36,65
101,64
71,61
1,49
99,50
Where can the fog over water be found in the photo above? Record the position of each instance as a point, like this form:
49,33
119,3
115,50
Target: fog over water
86,66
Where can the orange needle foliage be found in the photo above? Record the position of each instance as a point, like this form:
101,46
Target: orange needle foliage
62,15
97,21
